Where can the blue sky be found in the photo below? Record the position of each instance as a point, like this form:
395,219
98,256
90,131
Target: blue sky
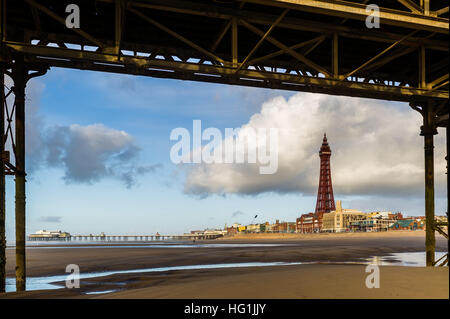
147,109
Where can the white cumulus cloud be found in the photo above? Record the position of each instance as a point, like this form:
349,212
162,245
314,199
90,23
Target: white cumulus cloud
90,153
376,150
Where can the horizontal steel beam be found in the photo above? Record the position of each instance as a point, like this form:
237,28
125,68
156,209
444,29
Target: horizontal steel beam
210,11
218,74
358,11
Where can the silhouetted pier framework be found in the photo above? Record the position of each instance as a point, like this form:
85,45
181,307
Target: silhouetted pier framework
320,46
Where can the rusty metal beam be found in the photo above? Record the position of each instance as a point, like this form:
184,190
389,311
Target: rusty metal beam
36,19
357,11
275,23
220,36
51,14
426,7
176,35
296,55
445,262
234,42
401,93
411,6
186,7
440,231
3,160
422,67
224,31
391,57
335,56
19,76
2,20
315,45
399,53
428,132
438,81
119,23
448,183
362,66
313,41
345,9
445,258
439,86
441,11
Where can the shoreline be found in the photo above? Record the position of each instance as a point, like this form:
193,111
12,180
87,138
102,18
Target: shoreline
279,282
241,237
45,260
332,248
310,236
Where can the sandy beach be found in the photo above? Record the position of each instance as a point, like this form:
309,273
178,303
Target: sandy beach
330,280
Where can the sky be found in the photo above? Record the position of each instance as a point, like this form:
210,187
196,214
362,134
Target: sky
98,155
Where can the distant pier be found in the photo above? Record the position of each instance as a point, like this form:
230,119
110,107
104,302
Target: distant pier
124,238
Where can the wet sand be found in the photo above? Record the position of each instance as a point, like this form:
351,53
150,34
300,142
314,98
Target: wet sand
281,282
299,281
304,281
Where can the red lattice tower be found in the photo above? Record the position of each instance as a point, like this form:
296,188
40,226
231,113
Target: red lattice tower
325,198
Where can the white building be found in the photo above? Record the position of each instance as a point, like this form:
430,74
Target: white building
341,219
48,234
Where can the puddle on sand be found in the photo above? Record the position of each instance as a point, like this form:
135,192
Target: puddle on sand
411,259
416,259
38,283
100,292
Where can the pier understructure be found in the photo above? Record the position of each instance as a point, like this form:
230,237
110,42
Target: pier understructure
321,46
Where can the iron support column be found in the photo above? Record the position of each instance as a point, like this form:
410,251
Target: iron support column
20,77
2,183
428,132
448,193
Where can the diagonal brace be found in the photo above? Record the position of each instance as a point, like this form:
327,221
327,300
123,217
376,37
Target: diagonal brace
176,35
285,48
277,21
440,231
411,6
313,41
379,54
62,21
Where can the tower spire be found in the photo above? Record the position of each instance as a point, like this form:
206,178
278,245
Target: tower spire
325,197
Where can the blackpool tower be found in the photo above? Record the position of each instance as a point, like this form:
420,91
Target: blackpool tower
325,198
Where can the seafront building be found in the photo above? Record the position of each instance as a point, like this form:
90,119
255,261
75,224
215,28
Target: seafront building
207,232
253,228
309,223
341,219
45,235
344,220
283,227
371,224
407,224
